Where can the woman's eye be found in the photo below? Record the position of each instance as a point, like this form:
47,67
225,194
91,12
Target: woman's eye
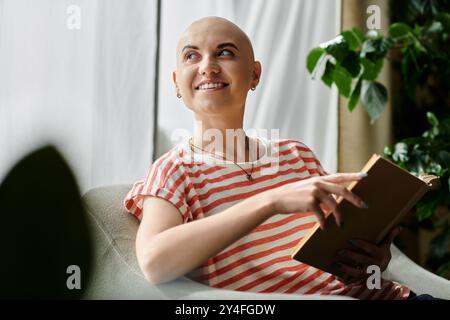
191,55
226,53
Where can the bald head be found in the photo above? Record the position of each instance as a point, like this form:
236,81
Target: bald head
208,26
214,48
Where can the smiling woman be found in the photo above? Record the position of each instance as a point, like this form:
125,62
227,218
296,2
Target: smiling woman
215,70
236,222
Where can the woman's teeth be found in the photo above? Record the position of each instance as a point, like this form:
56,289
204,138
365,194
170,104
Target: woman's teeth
211,86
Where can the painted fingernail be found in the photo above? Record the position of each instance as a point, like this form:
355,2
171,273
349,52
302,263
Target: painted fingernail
354,243
342,224
362,174
365,205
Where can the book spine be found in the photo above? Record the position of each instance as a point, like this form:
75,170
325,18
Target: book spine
403,212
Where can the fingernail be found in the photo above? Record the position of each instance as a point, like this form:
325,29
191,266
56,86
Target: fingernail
365,205
342,225
362,174
354,243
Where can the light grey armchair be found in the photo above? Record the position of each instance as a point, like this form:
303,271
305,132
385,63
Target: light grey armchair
116,274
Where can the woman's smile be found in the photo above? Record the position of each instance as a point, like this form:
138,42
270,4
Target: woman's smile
211,87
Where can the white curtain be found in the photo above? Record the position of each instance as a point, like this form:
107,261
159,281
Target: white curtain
282,33
90,91
87,90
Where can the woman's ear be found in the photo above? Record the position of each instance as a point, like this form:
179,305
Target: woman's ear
174,79
257,69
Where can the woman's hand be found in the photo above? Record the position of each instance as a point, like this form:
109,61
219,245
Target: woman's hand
316,195
353,263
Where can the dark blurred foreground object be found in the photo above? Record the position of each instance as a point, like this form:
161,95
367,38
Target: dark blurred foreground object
43,230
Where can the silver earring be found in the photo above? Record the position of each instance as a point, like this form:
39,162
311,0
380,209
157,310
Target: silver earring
178,95
253,88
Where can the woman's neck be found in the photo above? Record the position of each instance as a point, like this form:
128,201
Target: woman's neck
223,137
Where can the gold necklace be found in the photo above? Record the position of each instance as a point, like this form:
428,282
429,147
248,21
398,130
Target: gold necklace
249,175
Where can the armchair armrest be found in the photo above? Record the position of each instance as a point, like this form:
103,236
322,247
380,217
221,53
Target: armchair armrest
405,271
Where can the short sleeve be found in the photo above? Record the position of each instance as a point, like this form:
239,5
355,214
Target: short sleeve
166,179
311,161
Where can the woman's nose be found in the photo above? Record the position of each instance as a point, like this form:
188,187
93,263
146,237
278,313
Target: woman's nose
208,66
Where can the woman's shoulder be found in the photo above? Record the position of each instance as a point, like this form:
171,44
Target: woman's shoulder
170,161
284,145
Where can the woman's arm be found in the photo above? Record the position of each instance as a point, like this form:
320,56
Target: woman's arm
167,249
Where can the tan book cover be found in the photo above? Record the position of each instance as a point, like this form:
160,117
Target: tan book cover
390,193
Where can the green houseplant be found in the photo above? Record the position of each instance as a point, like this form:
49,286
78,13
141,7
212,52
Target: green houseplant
418,46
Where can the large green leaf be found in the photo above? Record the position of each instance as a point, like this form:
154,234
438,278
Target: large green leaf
313,57
354,96
358,34
399,30
351,64
338,48
327,76
374,98
343,80
352,39
425,209
376,48
371,69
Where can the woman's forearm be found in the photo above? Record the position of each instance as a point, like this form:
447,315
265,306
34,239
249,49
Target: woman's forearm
180,249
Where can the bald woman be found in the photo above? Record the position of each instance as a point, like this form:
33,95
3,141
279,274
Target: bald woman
208,210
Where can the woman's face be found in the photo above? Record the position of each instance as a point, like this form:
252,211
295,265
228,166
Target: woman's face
215,67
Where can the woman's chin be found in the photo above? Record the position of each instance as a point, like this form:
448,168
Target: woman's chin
212,108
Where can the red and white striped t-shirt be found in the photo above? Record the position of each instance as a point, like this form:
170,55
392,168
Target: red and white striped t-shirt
260,261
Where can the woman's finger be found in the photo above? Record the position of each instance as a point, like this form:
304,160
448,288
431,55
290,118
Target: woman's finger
319,214
344,177
391,236
355,258
368,248
330,205
341,191
351,274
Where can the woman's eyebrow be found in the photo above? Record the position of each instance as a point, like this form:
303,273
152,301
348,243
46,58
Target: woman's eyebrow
189,47
227,44
220,46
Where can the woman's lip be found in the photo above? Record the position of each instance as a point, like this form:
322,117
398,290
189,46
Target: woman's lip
212,89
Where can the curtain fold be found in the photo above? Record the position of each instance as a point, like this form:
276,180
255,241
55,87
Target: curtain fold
88,91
